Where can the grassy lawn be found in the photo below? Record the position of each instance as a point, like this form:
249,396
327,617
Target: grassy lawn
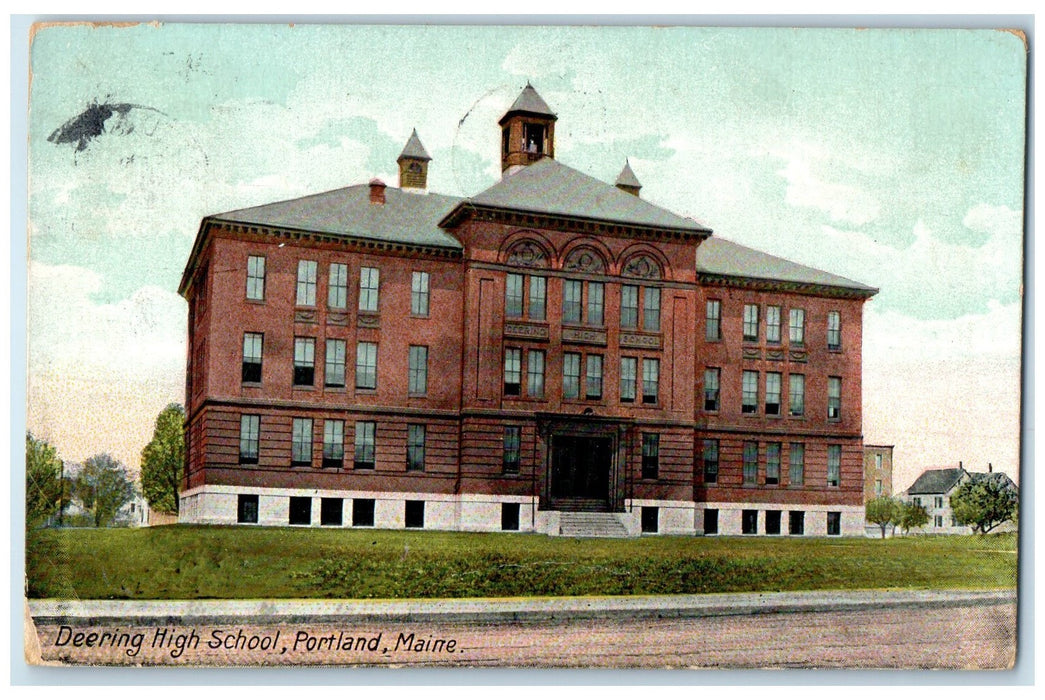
183,562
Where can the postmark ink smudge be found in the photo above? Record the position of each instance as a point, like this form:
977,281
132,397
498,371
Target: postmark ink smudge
90,123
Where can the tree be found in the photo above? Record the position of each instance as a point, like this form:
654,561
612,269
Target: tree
163,459
912,515
103,487
43,481
883,511
984,501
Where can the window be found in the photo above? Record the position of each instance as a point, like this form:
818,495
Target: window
878,462
772,393
571,301
649,519
797,394
711,377
834,330
834,398
938,520
917,501
249,432
513,296
798,327
750,463
629,306
419,294
510,516
538,296
834,523
255,281
362,512
797,463
713,330
711,521
749,522
333,443
415,448
415,514
369,282
796,520
877,487
304,361
628,368
301,443
772,324
535,374
337,292
749,401
300,510
650,455
364,450
330,511
593,385
650,380
334,374
750,323
512,371
306,295
772,463
596,294
366,365
571,375
938,502
710,461
247,507
834,465
651,310
510,458
772,522
418,370
252,345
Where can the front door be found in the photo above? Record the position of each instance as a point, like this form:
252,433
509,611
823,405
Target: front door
581,467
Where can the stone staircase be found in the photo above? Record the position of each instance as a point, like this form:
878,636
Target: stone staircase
590,524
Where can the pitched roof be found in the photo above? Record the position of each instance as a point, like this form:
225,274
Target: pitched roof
414,149
934,481
1001,477
627,177
405,217
549,187
718,256
529,102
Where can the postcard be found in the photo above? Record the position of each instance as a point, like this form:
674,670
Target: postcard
524,346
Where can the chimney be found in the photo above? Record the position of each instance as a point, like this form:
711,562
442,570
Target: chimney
377,191
627,181
990,468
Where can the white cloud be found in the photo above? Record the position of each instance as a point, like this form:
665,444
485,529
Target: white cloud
842,202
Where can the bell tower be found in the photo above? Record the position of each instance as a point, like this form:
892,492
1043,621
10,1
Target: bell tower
527,131
413,164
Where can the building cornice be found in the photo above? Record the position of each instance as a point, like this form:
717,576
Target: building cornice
710,279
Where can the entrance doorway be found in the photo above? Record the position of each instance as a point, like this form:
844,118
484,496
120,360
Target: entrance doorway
581,468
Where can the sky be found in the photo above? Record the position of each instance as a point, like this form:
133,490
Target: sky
893,157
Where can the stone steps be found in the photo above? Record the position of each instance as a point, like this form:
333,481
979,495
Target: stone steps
590,524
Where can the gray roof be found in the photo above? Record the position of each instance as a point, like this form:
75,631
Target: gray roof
936,481
414,149
529,102
406,217
1001,477
627,177
718,256
549,187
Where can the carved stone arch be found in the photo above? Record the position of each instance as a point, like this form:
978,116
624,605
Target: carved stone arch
642,262
587,258
527,249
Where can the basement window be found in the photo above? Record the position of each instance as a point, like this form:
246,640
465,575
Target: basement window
247,508
510,516
362,512
330,511
650,519
415,514
300,510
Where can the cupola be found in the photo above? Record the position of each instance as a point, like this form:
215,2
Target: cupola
527,131
627,181
413,164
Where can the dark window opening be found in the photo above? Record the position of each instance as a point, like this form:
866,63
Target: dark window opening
300,510
510,459
650,519
533,137
330,511
251,372
711,521
796,522
749,522
772,522
415,514
834,523
650,455
363,512
247,509
510,516
304,376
